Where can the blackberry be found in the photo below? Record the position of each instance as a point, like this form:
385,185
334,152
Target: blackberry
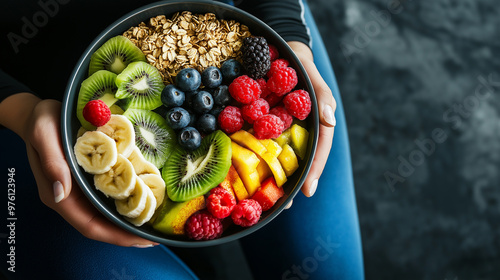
256,57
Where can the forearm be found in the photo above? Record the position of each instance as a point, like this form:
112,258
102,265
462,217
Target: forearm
15,112
284,16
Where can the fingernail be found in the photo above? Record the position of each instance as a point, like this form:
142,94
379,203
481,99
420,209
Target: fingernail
313,187
328,115
143,246
58,191
289,205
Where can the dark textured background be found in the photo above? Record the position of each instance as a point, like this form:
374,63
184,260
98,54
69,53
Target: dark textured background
400,79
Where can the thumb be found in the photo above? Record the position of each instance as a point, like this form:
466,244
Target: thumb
46,140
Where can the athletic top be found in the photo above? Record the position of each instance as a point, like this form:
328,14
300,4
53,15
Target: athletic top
41,41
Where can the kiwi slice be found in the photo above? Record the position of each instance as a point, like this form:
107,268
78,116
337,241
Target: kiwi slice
142,84
115,55
189,174
154,138
101,85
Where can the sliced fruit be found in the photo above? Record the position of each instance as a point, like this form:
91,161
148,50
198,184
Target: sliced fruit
275,166
115,55
142,84
284,138
157,186
251,181
226,184
173,215
243,159
135,203
264,170
95,152
248,141
299,137
153,137
233,182
148,211
119,181
268,194
120,129
141,165
80,132
272,147
116,110
288,160
189,174
100,85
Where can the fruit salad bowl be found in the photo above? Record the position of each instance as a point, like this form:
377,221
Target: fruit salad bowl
71,124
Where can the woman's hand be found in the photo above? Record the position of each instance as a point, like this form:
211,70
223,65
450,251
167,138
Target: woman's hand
327,106
38,123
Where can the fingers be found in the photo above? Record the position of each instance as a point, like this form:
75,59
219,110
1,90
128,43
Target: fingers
326,107
46,140
80,213
326,102
319,162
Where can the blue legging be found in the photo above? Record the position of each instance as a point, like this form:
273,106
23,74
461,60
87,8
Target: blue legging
318,238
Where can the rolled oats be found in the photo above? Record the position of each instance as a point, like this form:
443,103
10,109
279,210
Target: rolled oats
188,40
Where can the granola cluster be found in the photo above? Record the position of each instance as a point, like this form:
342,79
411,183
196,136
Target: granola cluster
188,40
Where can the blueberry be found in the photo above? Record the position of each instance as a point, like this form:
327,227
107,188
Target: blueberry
216,110
189,138
206,124
221,95
189,98
211,77
178,118
192,116
202,102
188,79
230,70
172,96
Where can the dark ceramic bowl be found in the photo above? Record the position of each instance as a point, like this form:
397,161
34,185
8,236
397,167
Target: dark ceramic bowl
70,123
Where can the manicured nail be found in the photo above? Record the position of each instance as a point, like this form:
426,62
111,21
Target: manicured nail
289,205
58,191
313,187
328,115
143,246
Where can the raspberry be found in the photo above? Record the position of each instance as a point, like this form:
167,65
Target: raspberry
220,203
256,58
255,110
263,87
203,226
268,126
244,89
273,99
298,104
281,113
96,112
246,213
276,65
282,81
273,52
230,119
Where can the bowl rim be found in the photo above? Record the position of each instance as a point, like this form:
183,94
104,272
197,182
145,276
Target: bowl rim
91,194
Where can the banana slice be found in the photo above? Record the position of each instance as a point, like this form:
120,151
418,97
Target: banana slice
122,131
148,211
119,181
95,152
157,186
141,165
133,205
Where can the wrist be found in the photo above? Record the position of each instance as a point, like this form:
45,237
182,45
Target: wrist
16,112
301,50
